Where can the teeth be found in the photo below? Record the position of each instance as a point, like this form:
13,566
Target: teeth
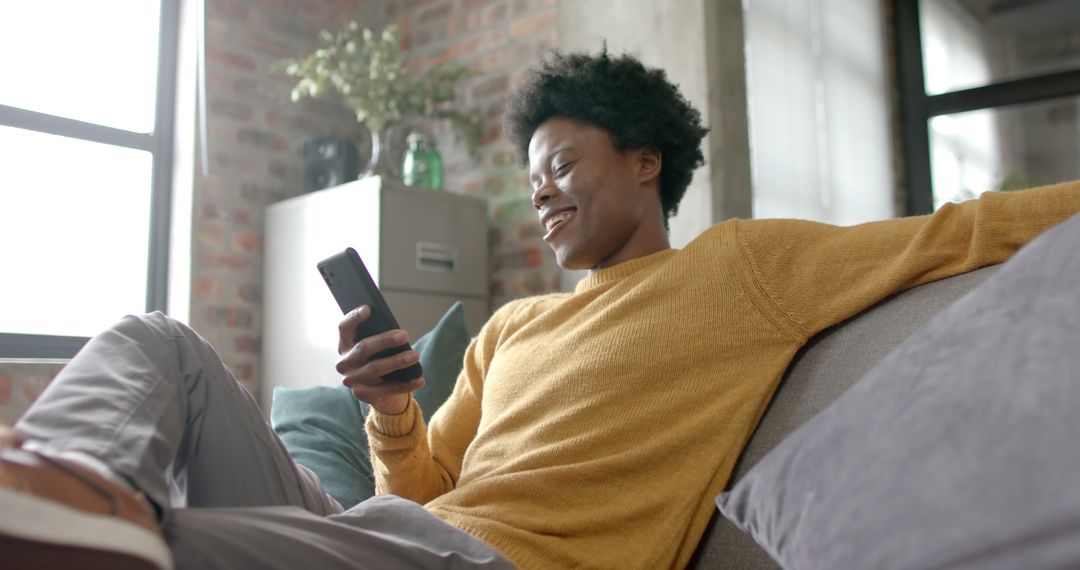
559,218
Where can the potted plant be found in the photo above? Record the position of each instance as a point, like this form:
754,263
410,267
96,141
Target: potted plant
367,71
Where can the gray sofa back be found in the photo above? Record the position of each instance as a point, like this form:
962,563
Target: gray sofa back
824,368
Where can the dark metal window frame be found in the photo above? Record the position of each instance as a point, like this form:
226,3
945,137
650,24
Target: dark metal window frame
917,108
159,143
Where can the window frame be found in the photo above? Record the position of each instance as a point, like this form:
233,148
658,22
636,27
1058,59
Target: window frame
917,107
159,143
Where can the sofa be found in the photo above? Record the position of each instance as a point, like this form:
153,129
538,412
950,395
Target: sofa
936,429
822,370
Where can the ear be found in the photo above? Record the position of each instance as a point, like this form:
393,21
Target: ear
649,162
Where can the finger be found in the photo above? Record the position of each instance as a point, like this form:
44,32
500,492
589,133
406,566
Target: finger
347,327
373,370
361,352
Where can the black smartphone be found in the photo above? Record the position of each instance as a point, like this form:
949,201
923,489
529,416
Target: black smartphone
352,286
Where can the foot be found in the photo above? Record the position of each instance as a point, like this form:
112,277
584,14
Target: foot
57,514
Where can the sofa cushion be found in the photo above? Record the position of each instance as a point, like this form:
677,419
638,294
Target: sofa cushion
958,449
821,371
323,426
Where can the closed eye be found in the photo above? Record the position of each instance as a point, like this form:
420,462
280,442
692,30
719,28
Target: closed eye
563,168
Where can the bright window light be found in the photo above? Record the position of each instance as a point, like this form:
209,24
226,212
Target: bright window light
74,235
95,61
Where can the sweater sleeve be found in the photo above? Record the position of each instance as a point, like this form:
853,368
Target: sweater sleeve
419,463
815,275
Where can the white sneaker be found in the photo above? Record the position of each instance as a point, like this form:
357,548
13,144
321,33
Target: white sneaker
58,514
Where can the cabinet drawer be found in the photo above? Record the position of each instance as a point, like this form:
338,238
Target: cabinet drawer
435,242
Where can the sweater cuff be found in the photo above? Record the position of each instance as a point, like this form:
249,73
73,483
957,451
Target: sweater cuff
397,425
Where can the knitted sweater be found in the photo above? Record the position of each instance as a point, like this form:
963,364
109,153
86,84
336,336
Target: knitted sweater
593,428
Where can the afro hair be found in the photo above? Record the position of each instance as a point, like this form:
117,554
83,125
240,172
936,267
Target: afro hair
636,105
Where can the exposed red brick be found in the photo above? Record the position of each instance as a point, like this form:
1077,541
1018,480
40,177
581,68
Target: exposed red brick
503,157
260,138
228,108
245,373
444,56
434,13
229,261
6,384
472,20
247,241
279,5
227,9
207,288
33,386
529,231
520,259
482,42
493,14
229,59
248,344
230,161
549,40
219,80
491,86
260,194
230,317
264,45
283,169
241,217
250,293
529,25
346,6
494,185
209,236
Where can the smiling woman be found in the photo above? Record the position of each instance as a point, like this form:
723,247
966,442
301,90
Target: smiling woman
86,135
599,205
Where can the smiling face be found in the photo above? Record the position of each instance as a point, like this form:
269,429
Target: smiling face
599,206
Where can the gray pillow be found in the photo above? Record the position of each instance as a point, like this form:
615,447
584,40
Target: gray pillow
959,449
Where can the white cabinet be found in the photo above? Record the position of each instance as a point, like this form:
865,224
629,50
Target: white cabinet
425,250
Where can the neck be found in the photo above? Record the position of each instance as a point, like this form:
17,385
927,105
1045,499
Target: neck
651,237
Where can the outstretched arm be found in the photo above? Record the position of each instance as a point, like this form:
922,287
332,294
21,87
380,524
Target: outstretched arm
817,275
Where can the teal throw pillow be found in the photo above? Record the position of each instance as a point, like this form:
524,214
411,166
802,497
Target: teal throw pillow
442,353
323,426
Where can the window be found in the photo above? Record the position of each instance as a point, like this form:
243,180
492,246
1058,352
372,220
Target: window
86,139
818,106
990,93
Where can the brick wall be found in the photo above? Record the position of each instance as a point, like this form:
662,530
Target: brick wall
499,39
254,140
21,381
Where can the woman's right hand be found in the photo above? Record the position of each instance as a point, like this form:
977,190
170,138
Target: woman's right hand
363,375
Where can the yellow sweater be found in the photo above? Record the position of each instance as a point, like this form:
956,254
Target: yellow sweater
593,429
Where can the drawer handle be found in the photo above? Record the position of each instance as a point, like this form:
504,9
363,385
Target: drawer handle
435,257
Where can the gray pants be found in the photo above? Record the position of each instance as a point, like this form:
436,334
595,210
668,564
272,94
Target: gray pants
151,399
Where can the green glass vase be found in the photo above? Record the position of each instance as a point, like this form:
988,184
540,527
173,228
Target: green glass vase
422,166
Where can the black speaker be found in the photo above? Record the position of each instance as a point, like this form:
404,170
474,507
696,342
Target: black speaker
328,161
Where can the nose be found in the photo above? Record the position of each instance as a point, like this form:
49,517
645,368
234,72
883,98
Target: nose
543,194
